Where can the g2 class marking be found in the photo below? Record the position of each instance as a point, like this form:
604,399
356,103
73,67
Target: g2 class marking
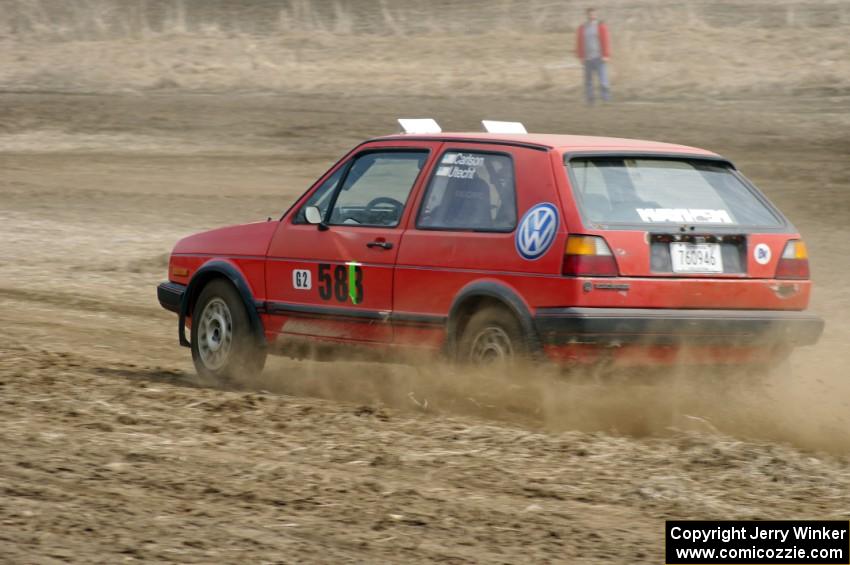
302,279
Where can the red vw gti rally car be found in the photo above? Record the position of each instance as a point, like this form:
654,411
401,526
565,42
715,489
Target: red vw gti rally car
490,246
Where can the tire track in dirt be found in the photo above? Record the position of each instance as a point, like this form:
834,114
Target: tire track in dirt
69,300
146,464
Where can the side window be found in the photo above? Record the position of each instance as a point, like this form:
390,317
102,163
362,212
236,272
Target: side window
591,189
470,191
321,197
376,188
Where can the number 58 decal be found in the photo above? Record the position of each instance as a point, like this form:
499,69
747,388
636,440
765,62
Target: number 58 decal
341,282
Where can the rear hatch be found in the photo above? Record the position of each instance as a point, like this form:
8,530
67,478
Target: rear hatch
681,218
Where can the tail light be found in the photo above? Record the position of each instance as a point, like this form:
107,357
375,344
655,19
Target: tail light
588,255
794,263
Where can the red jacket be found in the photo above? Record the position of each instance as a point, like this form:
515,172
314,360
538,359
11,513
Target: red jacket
603,41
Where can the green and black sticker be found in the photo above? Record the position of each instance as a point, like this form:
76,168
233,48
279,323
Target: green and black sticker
341,282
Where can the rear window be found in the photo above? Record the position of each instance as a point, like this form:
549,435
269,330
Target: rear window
616,190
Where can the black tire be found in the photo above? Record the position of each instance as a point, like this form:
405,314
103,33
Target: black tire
492,335
225,347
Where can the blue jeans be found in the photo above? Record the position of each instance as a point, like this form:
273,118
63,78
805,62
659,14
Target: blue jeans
600,68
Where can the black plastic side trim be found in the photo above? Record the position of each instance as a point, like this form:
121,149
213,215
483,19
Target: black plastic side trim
325,311
406,319
170,295
417,319
207,272
504,295
663,326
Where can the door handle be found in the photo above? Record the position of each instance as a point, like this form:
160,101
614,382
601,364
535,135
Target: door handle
381,244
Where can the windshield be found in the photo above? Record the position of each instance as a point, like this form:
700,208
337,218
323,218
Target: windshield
620,190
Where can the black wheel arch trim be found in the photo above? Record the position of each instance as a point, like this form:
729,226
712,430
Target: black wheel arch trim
502,293
207,272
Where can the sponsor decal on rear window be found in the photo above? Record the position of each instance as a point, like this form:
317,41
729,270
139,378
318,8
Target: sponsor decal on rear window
684,215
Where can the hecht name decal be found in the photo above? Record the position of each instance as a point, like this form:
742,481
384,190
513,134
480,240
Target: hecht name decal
459,165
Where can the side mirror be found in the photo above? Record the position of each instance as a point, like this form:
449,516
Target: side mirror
314,216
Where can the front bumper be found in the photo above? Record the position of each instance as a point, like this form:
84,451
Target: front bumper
170,295
622,326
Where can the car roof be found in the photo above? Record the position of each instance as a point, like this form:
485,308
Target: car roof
559,142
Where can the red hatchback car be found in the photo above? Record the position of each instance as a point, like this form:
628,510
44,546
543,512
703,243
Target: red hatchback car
488,246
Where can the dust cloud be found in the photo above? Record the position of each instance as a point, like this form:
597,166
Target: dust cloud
774,404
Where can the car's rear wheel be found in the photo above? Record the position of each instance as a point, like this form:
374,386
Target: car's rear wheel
225,348
492,336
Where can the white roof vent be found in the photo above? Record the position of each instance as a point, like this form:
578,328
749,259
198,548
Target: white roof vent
419,125
503,127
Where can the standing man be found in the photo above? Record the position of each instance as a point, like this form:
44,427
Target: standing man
593,49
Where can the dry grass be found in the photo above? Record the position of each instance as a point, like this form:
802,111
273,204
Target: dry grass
661,49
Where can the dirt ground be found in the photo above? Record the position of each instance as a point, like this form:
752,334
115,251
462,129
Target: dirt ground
127,125
111,450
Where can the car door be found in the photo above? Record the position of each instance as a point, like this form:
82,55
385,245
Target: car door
465,232
334,281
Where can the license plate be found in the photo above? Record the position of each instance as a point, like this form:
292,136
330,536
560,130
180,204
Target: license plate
696,258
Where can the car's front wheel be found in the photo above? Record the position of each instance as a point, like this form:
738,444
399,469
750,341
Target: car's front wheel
225,348
492,336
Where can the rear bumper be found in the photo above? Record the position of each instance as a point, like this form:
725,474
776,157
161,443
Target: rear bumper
170,295
621,326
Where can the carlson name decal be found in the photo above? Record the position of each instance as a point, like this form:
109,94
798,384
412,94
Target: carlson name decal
459,165
536,231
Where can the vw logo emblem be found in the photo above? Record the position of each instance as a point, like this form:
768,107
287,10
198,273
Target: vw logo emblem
536,231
